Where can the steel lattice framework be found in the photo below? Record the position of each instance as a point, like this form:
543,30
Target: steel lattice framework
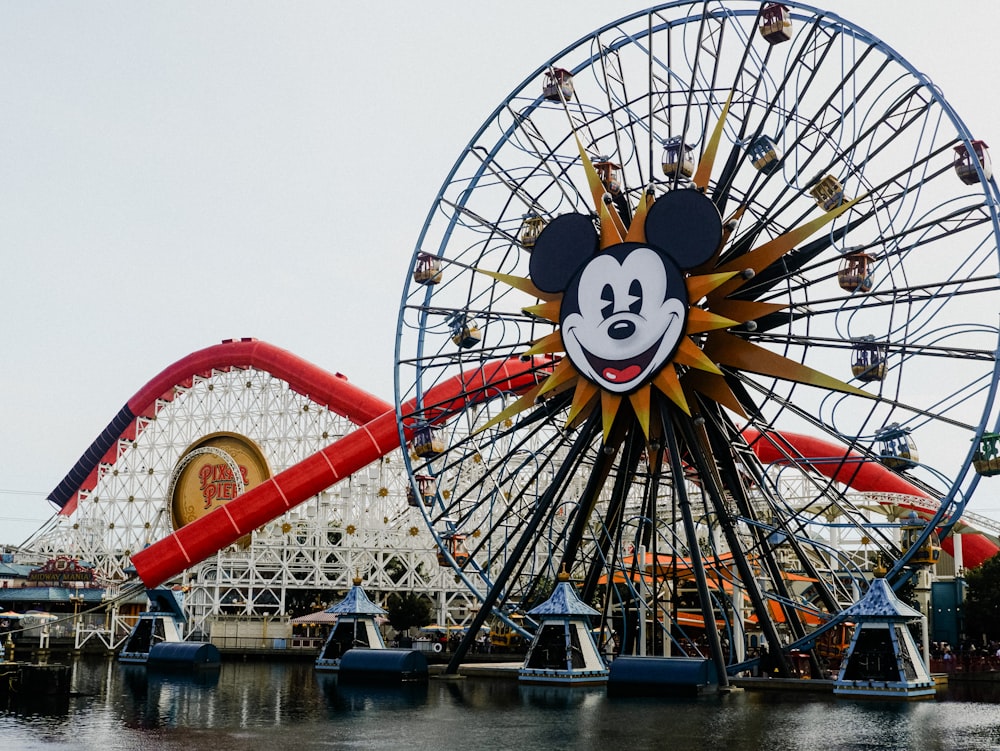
363,525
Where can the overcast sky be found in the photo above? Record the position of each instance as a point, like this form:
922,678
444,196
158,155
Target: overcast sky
174,174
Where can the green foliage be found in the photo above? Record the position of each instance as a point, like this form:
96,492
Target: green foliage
408,610
982,600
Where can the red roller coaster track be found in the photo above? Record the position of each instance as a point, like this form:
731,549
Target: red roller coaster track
376,436
861,474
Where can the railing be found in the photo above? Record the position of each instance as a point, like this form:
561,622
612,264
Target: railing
267,643
966,663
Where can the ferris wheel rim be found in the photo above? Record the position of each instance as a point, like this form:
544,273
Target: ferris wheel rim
959,494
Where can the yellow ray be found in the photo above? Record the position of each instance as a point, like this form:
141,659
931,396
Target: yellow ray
653,457
746,310
700,320
526,401
611,231
640,405
609,409
762,257
582,397
704,172
688,353
729,224
701,285
562,372
715,388
519,282
637,229
547,310
597,191
730,350
546,345
667,382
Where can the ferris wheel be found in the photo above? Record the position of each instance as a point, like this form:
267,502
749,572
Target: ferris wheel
716,240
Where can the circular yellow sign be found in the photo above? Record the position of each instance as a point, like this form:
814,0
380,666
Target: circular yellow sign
213,471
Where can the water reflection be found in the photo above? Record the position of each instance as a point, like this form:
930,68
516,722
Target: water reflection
155,699
288,705
366,697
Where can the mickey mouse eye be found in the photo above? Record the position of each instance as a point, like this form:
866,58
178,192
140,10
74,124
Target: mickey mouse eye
635,297
608,297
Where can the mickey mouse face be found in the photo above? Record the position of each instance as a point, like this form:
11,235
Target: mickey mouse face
623,315
624,309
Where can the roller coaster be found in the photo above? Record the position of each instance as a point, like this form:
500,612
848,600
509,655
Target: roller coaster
675,324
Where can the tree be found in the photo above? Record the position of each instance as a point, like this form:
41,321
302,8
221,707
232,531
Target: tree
408,610
982,600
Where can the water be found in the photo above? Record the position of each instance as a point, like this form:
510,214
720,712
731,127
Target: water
288,706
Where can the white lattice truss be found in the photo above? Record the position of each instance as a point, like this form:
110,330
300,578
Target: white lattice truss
361,526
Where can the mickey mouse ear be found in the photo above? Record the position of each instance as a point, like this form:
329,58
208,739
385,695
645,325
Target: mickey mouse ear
686,224
566,243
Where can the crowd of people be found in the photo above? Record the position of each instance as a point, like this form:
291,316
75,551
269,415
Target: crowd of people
966,656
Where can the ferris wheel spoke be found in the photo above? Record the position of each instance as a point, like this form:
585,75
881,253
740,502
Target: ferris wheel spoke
862,263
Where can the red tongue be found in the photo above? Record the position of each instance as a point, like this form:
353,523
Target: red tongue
621,376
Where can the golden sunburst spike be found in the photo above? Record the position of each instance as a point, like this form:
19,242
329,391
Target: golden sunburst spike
701,284
729,350
597,189
668,382
715,388
548,344
602,200
526,401
704,172
562,373
640,405
610,234
609,409
690,354
548,310
637,229
763,256
521,283
583,397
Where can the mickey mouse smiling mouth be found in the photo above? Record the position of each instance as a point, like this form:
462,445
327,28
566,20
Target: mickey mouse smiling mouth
624,316
616,371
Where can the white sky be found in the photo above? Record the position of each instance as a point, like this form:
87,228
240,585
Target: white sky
175,174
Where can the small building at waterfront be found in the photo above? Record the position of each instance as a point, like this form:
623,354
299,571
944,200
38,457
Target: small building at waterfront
355,627
563,650
883,660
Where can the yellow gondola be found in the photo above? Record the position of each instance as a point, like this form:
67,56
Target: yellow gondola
426,443
531,227
986,460
428,269
928,553
868,363
854,274
828,193
678,158
764,155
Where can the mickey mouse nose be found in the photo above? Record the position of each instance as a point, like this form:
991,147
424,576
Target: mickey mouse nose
621,329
